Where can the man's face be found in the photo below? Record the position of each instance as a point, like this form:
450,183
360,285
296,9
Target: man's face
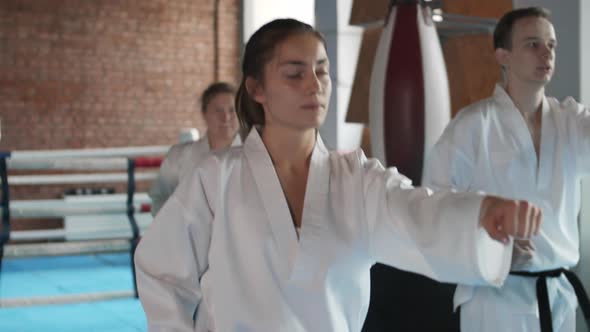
531,60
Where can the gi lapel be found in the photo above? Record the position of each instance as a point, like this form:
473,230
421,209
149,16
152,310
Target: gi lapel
547,148
275,203
315,217
202,145
317,190
237,141
273,200
518,129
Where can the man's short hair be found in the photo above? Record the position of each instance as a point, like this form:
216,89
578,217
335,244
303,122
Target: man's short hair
503,31
212,91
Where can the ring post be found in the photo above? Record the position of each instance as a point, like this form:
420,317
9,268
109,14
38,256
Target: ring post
131,216
5,232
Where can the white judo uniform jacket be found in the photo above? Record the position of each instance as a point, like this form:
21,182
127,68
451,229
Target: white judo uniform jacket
487,147
180,161
223,254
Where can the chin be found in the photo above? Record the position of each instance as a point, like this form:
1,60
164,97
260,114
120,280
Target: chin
543,79
309,126
317,124
540,81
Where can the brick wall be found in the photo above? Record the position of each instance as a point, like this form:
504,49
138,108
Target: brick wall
103,73
78,73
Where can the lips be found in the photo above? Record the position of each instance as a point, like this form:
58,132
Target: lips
544,68
312,106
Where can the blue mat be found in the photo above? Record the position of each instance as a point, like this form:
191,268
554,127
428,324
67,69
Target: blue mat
66,275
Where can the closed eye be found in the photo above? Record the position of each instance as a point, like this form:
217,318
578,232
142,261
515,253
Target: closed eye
320,73
295,75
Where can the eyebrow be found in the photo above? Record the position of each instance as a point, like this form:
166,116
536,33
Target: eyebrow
321,61
537,38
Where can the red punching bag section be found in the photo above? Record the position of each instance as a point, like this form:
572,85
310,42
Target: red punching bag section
409,99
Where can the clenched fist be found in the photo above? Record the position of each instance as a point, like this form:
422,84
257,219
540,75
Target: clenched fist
503,218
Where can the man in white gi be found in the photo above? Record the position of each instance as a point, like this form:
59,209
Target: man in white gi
523,145
217,107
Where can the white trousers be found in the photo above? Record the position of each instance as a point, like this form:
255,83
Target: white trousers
484,317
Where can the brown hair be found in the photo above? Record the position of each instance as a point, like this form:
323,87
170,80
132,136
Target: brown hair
258,52
212,91
503,30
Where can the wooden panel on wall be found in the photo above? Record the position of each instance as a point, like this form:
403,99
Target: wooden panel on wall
471,68
493,9
365,12
366,142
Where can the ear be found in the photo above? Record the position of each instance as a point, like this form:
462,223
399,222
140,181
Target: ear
502,56
254,90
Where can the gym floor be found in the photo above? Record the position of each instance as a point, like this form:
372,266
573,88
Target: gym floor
27,285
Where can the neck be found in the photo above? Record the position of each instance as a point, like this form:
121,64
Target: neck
219,142
528,99
289,148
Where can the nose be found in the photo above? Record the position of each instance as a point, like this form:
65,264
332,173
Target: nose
547,52
228,115
313,85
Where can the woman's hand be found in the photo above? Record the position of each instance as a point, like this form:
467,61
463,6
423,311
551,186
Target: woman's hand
522,253
503,218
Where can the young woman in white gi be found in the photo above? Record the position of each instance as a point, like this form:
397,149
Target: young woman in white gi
521,144
217,107
279,235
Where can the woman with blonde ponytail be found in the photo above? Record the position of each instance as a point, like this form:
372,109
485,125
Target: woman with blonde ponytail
279,234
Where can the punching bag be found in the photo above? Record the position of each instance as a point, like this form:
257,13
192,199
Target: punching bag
409,103
409,107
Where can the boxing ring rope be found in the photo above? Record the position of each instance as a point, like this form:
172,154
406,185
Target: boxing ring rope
67,248
65,299
84,164
56,208
125,152
77,178
113,159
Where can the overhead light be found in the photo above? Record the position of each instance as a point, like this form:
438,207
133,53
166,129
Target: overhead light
437,18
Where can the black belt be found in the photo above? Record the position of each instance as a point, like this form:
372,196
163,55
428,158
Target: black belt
543,295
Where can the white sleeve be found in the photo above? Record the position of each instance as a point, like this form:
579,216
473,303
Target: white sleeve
167,180
581,123
172,257
437,235
447,166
